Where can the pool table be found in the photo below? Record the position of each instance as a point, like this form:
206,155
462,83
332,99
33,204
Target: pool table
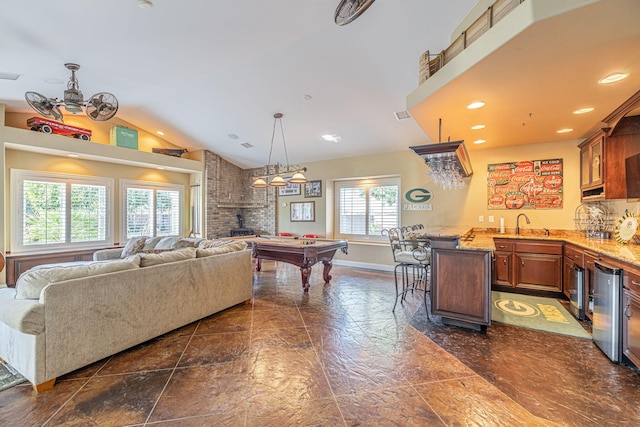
304,253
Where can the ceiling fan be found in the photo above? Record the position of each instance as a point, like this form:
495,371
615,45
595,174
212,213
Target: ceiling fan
348,10
100,107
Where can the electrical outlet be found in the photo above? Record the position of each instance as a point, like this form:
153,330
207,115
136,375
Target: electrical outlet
491,218
481,218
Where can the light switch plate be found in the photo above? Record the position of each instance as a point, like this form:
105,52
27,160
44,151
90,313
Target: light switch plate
491,218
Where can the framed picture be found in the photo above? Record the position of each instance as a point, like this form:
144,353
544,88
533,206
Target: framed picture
313,189
289,190
303,211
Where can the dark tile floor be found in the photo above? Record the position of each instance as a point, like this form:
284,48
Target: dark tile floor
337,356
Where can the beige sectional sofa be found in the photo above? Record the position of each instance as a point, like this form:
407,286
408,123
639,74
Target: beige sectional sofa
62,317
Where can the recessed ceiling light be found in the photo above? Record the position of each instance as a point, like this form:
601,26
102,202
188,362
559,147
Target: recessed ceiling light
478,127
583,110
330,137
232,136
145,4
402,115
612,78
565,130
308,97
479,141
474,105
159,132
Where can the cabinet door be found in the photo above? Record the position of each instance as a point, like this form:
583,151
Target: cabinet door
539,271
597,161
461,286
502,268
631,326
566,275
585,168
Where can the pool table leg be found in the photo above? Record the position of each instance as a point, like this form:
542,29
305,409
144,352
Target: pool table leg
327,268
258,264
306,272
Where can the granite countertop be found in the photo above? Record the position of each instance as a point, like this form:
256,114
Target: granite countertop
483,240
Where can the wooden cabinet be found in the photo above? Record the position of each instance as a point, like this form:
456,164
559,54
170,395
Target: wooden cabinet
461,287
503,263
572,256
631,317
531,264
602,157
592,167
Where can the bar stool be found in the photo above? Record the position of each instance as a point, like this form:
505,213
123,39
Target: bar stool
413,259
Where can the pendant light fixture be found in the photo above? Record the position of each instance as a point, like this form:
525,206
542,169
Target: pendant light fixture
277,179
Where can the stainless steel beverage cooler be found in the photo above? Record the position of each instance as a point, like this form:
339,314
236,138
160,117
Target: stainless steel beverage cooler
576,291
607,318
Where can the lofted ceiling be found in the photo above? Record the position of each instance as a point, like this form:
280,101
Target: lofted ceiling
202,70
211,74
533,69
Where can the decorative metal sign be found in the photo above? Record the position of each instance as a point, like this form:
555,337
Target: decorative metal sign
418,198
531,184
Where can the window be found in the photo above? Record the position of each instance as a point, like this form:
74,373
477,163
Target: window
58,211
151,209
365,207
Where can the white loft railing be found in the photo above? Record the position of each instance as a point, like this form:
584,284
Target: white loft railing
430,64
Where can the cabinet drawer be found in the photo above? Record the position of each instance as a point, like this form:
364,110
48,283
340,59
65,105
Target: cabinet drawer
574,254
539,247
631,281
502,245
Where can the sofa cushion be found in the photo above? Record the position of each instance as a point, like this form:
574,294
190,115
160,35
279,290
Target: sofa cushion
234,246
147,260
133,246
26,316
31,282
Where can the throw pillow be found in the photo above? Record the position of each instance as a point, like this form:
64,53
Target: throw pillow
206,244
166,243
187,242
133,246
151,242
234,246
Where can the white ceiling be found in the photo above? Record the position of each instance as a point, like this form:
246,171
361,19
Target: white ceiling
200,70
533,69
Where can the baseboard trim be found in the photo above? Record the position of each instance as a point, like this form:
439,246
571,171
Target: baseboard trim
365,265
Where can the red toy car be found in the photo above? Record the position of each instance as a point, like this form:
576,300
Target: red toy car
50,126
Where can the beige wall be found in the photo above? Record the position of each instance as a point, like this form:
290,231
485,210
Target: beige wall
450,207
99,130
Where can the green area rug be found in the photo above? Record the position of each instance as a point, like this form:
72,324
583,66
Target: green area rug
9,378
544,314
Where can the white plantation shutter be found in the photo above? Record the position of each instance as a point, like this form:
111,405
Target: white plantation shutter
353,210
59,211
139,212
152,209
88,213
364,207
168,213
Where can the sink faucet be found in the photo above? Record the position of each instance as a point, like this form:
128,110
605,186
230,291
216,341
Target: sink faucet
518,222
